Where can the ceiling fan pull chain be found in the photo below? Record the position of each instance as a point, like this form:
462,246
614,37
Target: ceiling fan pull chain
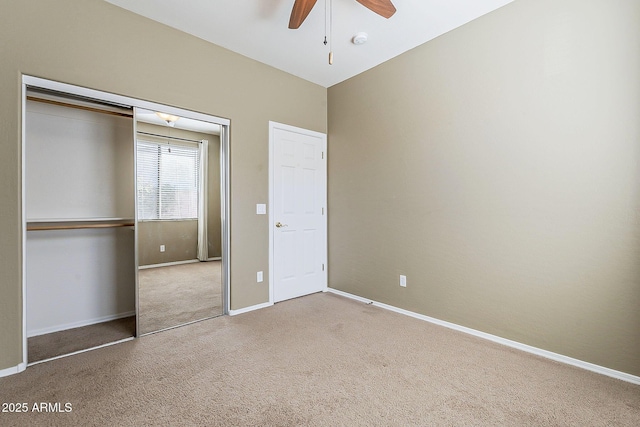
325,22
330,32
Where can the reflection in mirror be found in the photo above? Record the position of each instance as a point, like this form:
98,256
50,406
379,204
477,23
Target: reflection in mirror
179,220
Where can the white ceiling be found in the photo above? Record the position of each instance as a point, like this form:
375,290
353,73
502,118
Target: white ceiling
258,29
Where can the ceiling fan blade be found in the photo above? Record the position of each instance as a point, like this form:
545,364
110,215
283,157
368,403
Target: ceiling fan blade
383,8
300,11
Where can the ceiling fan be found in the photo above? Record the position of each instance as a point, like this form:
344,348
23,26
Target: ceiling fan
301,9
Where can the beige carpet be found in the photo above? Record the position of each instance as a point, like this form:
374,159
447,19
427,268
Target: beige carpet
320,360
179,294
55,344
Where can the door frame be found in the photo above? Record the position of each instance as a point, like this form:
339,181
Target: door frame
120,100
271,217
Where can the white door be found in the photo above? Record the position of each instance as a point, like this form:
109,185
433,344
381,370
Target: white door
298,190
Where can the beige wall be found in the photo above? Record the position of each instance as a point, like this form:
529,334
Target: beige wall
94,44
498,168
180,239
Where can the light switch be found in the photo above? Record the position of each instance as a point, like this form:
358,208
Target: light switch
261,209
259,277
403,281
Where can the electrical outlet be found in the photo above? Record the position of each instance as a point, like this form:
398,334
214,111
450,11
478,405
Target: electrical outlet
403,281
259,277
161,248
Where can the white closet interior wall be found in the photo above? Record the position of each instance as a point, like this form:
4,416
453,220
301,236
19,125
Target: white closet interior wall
79,165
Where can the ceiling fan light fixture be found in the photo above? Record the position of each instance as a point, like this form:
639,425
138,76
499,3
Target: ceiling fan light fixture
170,119
360,38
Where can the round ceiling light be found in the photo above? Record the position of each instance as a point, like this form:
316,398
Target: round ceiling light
360,38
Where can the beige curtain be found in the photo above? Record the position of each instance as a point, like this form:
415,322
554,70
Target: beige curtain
203,240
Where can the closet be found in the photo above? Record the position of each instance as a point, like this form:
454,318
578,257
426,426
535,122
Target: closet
80,241
80,256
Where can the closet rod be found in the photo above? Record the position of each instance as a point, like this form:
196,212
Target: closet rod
79,107
169,137
77,226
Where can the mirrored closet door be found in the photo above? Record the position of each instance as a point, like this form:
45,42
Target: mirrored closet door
179,224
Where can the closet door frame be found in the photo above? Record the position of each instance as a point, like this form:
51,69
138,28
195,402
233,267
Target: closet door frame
124,101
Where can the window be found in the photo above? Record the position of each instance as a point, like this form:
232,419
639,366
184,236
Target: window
167,181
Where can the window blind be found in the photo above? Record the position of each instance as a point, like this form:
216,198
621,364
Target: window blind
167,181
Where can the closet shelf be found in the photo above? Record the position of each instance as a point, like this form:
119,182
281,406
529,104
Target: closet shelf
72,224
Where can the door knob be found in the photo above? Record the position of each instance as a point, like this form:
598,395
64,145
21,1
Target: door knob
280,225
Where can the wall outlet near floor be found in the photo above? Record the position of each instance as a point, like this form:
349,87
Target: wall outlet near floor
403,281
259,277
162,248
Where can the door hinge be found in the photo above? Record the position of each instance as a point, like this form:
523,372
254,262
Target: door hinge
322,267
323,154
322,211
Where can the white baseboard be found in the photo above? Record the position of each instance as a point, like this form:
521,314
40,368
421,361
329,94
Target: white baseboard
79,324
13,370
494,338
215,258
251,308
168,264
